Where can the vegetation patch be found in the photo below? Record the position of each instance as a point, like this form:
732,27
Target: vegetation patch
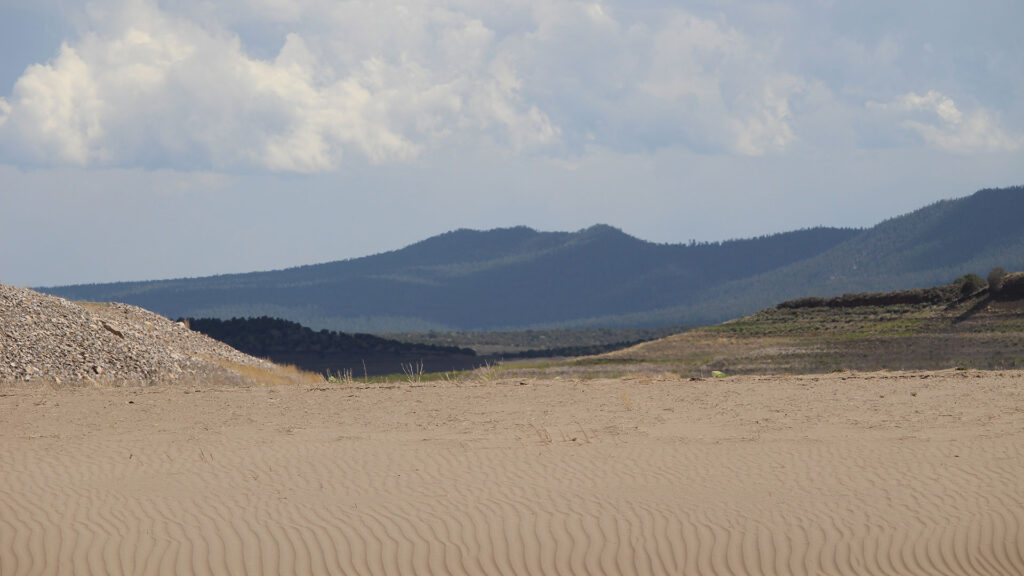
933,328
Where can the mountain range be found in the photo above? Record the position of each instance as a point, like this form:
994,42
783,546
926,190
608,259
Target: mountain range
517,278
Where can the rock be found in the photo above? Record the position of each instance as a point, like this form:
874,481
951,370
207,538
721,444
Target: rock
112,329
49,338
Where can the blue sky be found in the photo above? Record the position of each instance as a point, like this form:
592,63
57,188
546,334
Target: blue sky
146,139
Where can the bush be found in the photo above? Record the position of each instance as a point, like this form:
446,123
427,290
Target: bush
809,302
995,280
970,284
935,295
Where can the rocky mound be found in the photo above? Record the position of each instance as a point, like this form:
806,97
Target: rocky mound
51,339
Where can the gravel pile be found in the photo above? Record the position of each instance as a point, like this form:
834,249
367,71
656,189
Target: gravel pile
51,339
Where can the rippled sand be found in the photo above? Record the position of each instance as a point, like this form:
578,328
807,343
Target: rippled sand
883,473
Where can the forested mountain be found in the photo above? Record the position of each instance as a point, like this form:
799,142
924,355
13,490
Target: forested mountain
927,247
600,276
332,353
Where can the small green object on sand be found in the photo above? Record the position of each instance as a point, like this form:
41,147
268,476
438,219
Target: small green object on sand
717,374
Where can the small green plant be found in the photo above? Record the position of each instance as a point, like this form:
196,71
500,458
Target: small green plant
717,374
914,394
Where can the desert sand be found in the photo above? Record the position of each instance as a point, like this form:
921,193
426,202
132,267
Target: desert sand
872,473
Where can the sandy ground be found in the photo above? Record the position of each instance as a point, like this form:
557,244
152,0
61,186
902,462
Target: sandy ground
881,473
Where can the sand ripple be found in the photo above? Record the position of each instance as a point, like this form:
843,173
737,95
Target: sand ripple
347,507
262,500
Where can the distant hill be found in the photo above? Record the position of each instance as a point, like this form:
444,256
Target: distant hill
518,278
329,352
927,247
934,328
470,280
336,353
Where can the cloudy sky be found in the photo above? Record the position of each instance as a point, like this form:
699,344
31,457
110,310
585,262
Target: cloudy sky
145,139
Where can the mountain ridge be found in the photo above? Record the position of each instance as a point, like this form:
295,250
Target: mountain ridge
518,277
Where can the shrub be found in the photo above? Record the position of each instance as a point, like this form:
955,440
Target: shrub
809,302
970,284
995,280
935,295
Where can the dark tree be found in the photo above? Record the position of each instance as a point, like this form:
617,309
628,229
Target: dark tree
996,279
970,284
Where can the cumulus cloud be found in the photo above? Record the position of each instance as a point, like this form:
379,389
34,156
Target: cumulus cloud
716,77
938,120
58,108
647,79
147,87
302,85
5,111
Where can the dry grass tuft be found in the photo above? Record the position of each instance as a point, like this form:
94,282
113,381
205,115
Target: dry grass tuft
272,374
627,402
489,371
96,307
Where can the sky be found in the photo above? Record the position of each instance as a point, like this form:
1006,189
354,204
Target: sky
145,139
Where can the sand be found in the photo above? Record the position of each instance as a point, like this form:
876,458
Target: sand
879,473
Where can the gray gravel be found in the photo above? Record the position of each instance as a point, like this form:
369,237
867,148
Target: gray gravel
50,339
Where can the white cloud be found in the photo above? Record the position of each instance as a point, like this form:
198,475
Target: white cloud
308,85
942,125
5,111
147,87
387,81
680,57
721,78
59,106
933,101
766,127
